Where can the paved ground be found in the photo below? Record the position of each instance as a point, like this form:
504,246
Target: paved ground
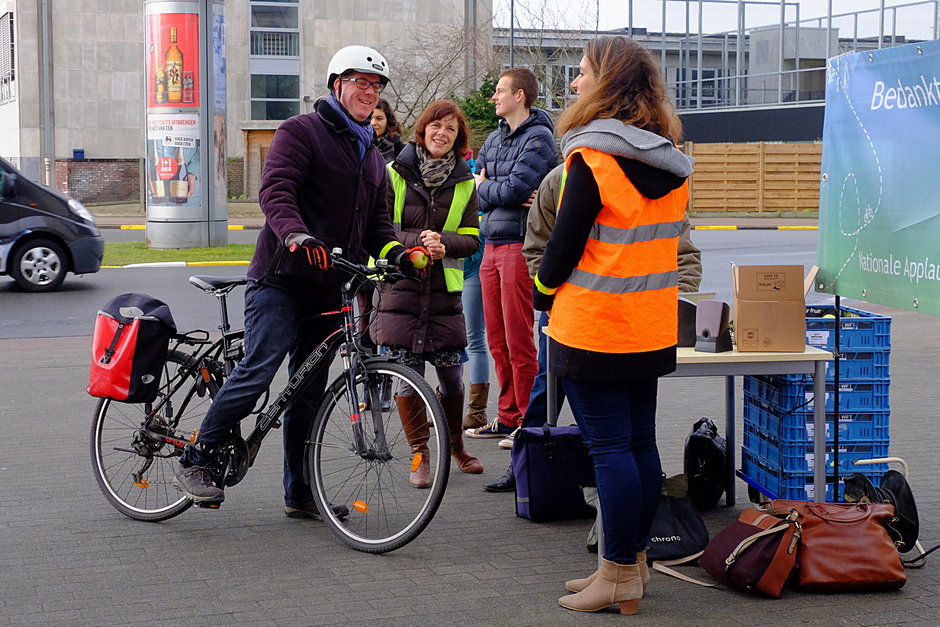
68,558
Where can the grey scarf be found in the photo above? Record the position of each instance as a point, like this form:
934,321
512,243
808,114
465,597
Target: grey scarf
435,171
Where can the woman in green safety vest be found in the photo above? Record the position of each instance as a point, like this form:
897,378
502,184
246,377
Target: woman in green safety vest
433,202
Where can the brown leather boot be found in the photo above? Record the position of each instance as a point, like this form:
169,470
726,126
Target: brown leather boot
453,409
414,422
577,585
476,406
614,583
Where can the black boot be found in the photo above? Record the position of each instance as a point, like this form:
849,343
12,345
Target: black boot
506,483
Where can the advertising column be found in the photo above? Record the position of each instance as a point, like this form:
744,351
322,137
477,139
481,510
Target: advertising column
185,146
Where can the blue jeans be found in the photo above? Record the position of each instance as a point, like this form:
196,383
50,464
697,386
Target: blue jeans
477,354
277,324
618,422
537,413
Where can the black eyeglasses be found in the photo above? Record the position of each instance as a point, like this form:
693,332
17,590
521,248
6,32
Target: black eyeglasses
363,84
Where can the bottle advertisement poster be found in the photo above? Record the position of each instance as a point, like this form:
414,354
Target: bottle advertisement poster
173,60
879,213
173,160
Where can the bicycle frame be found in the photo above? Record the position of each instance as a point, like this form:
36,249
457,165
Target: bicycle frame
344,340
204,363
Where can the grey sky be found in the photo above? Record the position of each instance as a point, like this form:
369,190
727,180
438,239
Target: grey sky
914,20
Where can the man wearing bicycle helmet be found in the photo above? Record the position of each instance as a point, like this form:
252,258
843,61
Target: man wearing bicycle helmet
323,187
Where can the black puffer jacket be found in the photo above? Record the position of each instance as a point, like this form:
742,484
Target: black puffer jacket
422,316
515,164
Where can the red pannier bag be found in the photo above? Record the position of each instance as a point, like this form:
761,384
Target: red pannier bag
129,348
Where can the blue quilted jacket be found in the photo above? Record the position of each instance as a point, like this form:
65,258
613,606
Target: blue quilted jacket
515,163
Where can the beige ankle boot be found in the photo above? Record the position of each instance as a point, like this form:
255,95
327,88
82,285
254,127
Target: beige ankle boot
577,585
614,584
476,406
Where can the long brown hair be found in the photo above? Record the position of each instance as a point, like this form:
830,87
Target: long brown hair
628,87
438,110
392,127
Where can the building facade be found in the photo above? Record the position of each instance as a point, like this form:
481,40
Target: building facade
72,77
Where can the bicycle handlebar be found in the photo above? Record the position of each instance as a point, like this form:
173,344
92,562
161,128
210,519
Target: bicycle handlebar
383,269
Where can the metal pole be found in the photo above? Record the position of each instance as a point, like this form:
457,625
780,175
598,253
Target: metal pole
512,33
630,19
739,54
47,150
685,59
699,53
796,45
855,33
829,32
894,26
881,24
662,52
936,19
781,50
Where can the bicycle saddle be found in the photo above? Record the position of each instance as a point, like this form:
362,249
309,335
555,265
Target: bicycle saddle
213,283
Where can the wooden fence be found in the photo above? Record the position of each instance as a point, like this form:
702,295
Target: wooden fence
755,178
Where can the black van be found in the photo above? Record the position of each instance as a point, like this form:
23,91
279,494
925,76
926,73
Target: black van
43,234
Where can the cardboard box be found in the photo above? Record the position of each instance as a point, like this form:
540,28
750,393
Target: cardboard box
769,308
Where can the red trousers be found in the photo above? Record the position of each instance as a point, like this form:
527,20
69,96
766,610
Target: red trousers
507,310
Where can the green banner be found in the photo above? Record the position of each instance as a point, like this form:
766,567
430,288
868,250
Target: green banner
879,205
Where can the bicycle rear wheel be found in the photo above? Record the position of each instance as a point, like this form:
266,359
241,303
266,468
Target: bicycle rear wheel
133,468
385,511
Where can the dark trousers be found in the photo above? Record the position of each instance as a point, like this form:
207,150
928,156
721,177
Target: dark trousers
618,422
277,324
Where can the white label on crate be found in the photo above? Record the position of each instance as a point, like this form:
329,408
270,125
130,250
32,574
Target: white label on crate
819,339
811,430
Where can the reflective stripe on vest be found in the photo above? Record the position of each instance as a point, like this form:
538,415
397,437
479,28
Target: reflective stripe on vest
622,296
453,268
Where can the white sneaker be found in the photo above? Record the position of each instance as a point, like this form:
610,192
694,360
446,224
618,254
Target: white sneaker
507,442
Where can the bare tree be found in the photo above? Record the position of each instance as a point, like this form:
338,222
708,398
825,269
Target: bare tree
549,37
429,66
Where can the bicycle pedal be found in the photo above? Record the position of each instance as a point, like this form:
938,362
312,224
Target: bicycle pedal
209,504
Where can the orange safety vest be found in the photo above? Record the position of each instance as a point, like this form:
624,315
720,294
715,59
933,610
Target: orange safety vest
622,296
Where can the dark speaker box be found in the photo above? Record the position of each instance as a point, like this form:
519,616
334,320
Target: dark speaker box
712,334
687,311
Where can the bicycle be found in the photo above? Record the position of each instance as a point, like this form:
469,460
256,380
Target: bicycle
356,454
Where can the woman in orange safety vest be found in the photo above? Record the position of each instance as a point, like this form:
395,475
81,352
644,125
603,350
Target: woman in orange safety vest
609,278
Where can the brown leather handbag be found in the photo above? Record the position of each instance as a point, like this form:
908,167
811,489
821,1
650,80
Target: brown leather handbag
846,547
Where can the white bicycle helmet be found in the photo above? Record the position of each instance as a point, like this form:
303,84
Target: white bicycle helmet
356,59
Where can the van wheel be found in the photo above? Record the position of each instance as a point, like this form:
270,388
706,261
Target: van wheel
39,265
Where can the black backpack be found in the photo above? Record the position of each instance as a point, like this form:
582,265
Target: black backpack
705,464
129,348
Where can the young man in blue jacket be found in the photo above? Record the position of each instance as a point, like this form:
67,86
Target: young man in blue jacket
323,186
512,162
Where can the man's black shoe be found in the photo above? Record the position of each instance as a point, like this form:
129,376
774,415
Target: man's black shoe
197,483
310,510
506,483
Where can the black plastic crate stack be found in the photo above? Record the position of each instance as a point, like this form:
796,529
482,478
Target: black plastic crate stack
777,452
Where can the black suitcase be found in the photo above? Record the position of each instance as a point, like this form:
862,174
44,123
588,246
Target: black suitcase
551,465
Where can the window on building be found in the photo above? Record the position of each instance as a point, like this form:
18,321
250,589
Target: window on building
274,96
711,87
275,29
274,59
7,72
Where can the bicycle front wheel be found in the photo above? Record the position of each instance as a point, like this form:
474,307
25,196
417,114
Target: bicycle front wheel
133,466
367,469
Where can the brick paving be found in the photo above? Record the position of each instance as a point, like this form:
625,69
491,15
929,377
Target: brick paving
68,558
